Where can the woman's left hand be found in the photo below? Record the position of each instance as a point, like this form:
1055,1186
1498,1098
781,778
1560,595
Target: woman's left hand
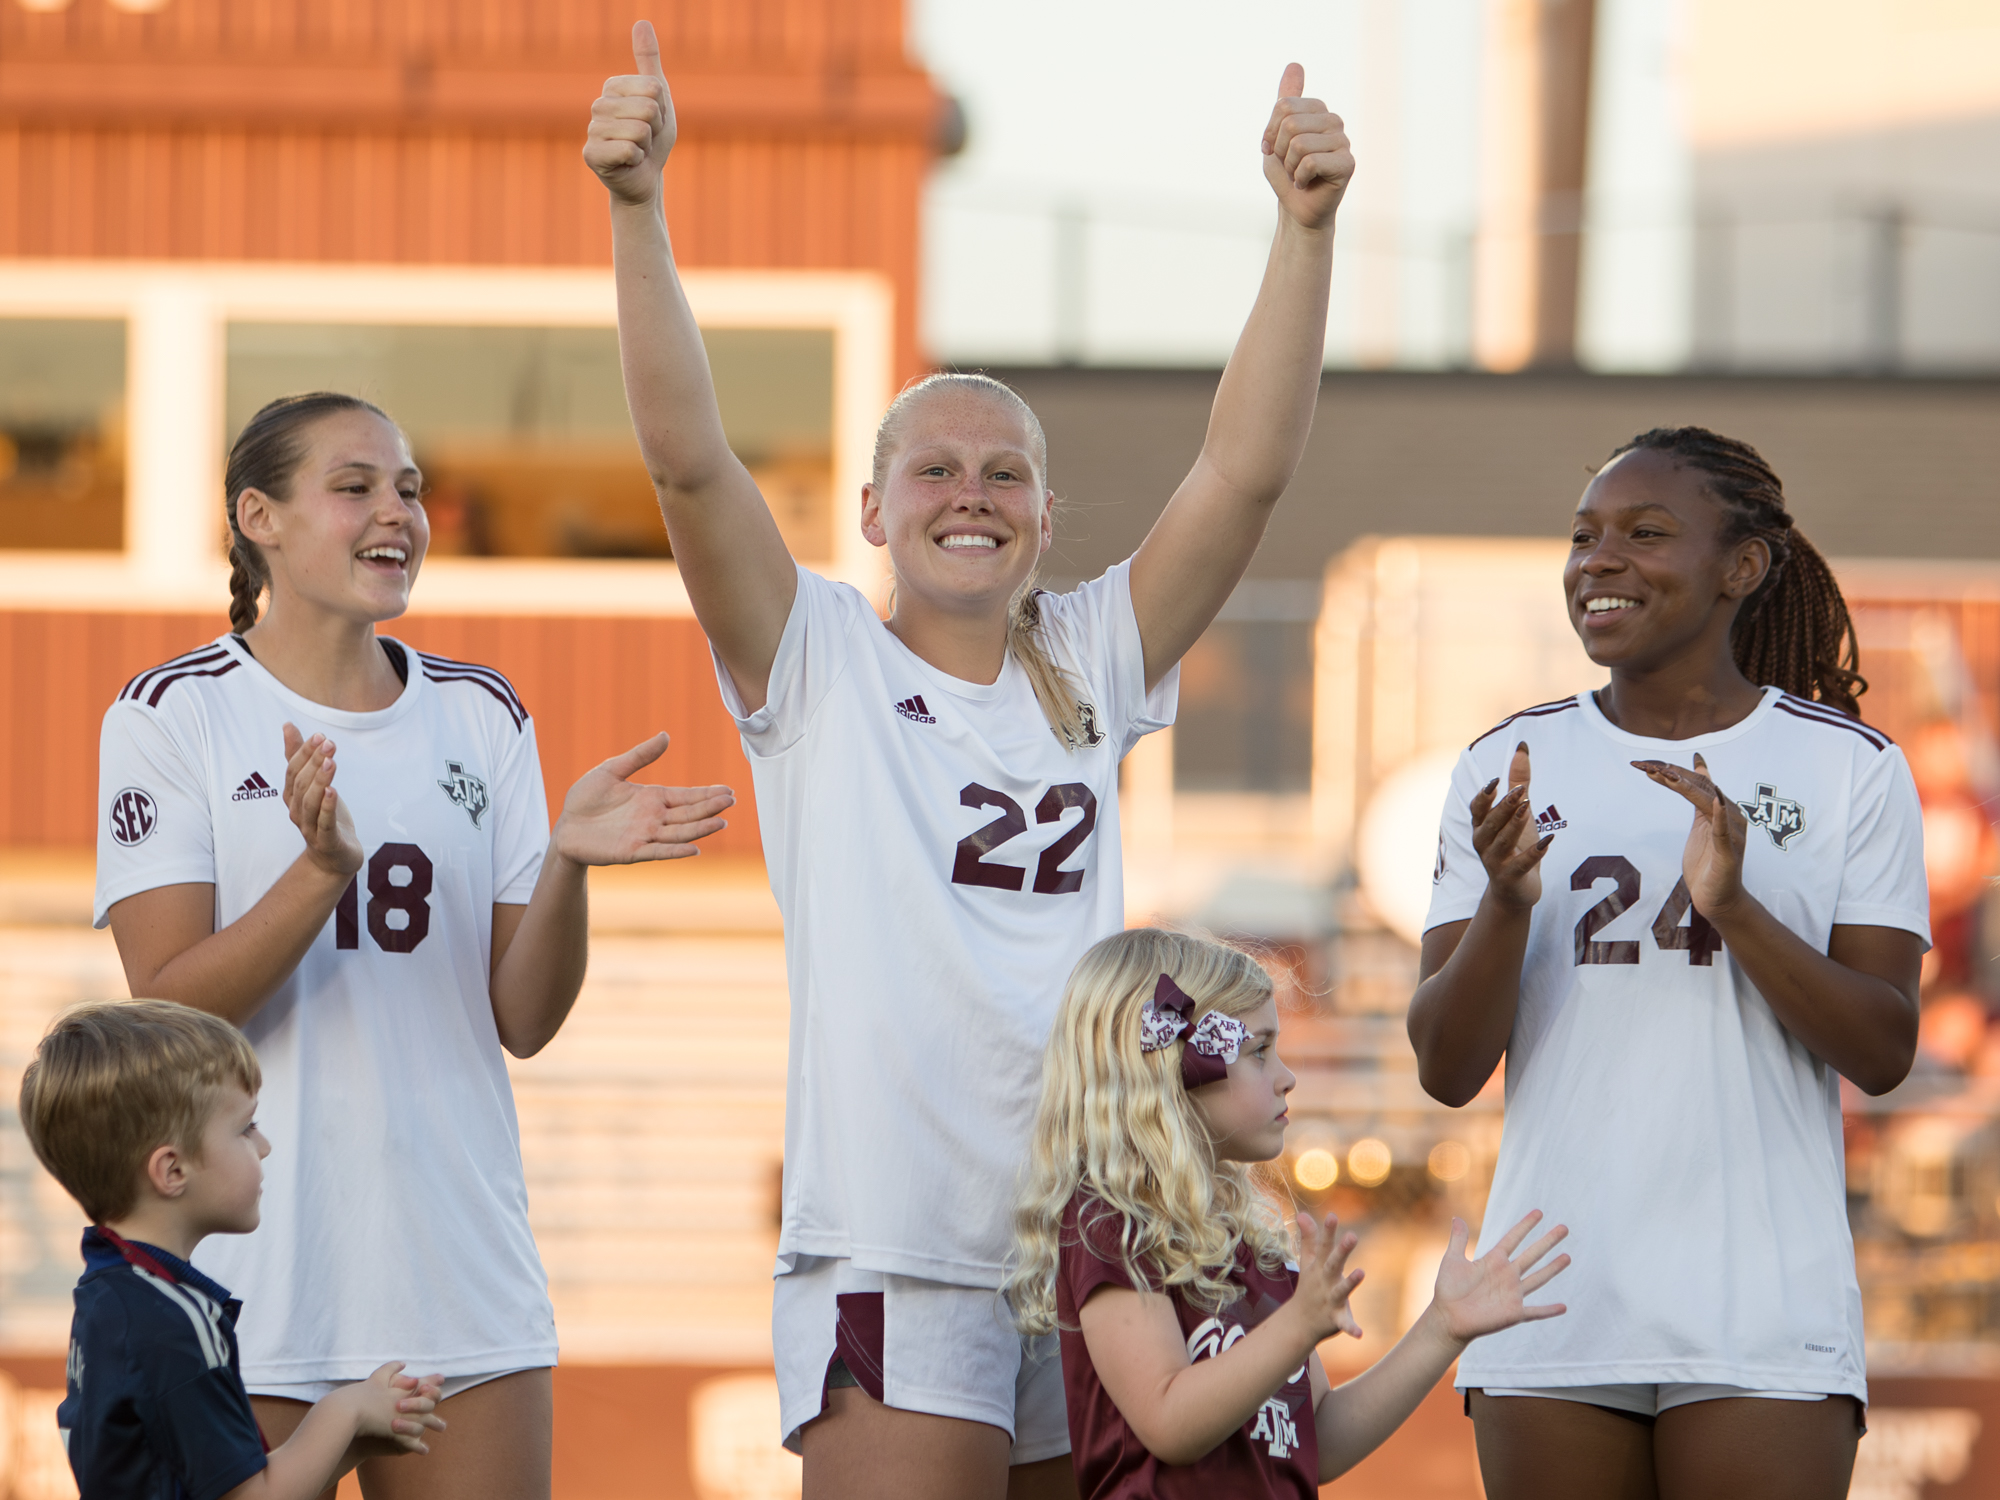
1712,863
1307,159
609,819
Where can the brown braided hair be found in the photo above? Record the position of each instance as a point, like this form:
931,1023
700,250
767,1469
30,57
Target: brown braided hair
266,456
1794,632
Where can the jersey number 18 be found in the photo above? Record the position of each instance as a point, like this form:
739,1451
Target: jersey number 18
412,899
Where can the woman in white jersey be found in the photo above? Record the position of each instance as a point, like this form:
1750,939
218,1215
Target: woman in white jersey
380,942
1709,907
939,801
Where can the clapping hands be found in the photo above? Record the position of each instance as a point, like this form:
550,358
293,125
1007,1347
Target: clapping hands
609,819
315,807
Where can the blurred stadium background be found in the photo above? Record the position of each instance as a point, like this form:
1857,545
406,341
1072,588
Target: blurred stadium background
1573,220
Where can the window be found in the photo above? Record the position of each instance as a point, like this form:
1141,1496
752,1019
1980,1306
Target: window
62,433
523,435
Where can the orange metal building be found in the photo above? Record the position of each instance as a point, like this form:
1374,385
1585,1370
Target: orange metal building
433,134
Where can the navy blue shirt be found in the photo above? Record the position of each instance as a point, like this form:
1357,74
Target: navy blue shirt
155,1408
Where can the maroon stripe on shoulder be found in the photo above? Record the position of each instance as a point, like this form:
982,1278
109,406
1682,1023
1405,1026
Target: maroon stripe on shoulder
498,679
1540,711
506,700
137,686
1878,741
1832,715
153,699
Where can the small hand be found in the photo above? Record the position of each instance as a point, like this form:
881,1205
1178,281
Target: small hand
1503,835
632,125
1322,1293
1712,862
609,819
315,807
398,1407
1489,1294
1306,156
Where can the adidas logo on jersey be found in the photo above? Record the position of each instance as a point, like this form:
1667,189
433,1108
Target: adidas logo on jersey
915,710
1548,820
254,787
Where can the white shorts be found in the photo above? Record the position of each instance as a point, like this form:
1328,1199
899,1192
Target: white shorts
950,1351
312,1392
1651,1400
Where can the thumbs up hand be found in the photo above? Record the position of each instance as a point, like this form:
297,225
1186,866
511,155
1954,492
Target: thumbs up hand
632,125
1306,156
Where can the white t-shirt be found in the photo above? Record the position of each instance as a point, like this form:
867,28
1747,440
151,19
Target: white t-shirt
395,1217
1654,1103
942,862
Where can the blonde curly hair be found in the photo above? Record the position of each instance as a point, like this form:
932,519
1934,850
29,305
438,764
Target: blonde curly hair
1116,1125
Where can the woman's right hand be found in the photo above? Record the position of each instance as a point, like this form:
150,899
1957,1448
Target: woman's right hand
316,808
1504,835
632,125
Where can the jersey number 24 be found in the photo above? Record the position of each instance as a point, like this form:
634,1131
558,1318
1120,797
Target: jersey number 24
1700,941
413,900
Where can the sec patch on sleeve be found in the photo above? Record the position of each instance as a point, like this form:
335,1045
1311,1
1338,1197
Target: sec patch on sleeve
134,816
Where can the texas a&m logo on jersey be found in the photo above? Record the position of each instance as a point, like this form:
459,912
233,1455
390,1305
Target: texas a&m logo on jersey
1086,716
134,816
1778,816
465,790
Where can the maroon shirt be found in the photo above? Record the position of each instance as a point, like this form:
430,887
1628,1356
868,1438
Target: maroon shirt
1275,1454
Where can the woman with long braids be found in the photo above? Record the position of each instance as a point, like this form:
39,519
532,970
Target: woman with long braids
382,943
1709,908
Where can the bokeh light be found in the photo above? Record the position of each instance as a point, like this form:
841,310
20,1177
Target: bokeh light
1316,1170
1450,1161
1368,1162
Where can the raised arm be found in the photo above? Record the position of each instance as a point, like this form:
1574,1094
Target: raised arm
1198,549
739,576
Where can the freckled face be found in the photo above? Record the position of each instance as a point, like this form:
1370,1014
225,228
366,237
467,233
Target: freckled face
1648,578
1245,1113
353,534
962,509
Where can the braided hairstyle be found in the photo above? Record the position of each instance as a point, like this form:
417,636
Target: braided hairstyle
1794,632
266,457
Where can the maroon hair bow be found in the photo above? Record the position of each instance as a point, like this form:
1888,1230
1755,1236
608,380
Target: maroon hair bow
1214,1043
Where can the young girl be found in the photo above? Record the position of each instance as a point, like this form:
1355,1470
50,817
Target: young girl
1187,1340
1738,916
379,942
939,799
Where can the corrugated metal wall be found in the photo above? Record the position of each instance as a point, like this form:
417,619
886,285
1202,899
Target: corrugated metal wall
450,131
594,686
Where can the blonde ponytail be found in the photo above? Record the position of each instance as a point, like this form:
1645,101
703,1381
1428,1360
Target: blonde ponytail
1027,637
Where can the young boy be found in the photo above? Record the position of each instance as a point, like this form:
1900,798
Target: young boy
146,1112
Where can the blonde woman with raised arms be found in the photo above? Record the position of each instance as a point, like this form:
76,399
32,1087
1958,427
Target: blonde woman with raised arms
938,796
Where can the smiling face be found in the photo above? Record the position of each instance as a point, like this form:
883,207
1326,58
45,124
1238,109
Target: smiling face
225,1183
1649,578
350,536
960,504
1245,1113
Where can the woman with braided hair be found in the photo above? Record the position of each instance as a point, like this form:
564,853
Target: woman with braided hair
1736,921
341,845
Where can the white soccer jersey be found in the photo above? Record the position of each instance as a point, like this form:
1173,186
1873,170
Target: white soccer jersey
395,1218
942,862
1654,1103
